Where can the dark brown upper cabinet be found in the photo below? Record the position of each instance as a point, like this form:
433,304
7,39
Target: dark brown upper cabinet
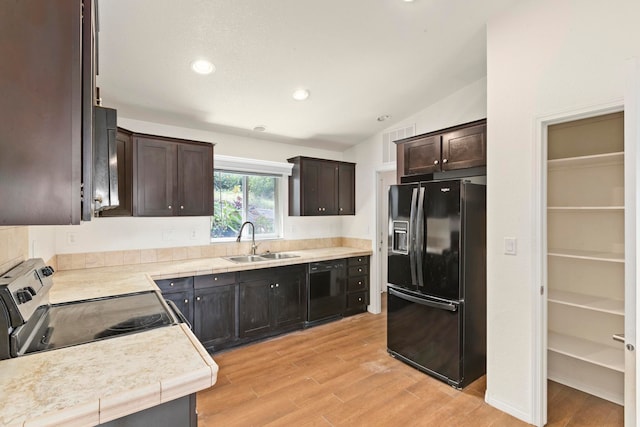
458,147
172,177
320,187
124,153
46,56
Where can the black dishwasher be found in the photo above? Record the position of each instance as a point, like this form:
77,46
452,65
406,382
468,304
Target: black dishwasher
327,290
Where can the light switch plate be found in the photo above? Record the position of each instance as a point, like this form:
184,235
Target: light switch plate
510,245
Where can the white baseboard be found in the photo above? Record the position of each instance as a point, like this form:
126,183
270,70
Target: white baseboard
505,407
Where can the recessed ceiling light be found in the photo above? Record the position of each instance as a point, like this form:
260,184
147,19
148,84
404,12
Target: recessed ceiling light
383,117
408,1
202,66
260,128
301,94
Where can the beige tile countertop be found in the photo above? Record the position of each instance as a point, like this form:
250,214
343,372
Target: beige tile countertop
97,382
73,285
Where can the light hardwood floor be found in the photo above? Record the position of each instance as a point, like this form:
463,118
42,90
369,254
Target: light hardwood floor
340,374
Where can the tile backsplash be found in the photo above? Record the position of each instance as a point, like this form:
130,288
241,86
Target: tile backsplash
14,246
140,256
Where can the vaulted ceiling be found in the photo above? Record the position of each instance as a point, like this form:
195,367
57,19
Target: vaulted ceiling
359,59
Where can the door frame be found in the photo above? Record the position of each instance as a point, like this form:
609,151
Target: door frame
631,107
377,259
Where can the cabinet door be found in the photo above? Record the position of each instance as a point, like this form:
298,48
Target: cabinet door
255,312
41,110
328,188
156,177
184,302
465,148
195,179
310,192
346,189
124,149
422,155
289,298
214,315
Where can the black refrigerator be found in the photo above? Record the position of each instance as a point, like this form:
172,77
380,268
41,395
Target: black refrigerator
436,305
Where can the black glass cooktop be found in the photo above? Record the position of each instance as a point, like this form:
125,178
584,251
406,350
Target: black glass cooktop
80,322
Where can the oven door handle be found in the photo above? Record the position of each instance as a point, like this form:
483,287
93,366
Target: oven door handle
429,303
178,313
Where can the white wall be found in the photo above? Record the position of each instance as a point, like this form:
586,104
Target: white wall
544,57
465,105
108,234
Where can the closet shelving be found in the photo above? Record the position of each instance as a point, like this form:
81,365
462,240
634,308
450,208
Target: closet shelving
585,257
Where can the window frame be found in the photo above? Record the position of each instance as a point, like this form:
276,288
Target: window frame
246,167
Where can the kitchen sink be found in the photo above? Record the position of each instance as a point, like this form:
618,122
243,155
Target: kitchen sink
246,258
263,257
278,255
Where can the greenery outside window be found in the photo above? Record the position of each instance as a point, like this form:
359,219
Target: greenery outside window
240,197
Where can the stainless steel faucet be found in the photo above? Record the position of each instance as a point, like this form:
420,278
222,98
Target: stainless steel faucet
253,236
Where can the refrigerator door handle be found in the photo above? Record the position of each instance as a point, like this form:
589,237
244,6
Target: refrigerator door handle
420,238
412,236
429,303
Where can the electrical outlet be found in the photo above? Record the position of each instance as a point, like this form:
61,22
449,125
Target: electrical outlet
71,238
193,235
167,235
510,246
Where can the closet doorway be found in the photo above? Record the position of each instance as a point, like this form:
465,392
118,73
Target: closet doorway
585,256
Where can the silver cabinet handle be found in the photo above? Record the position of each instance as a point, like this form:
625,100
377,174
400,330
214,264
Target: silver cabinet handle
198,299
444,160
215,278
319,209
186,301
360,299
359,282
277,285
618,337
435,162
271,286
169,206
181,207
171,284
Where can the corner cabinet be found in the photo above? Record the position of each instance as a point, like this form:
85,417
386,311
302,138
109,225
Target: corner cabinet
458,147
319,187
46,81
585,255
208,303
171,177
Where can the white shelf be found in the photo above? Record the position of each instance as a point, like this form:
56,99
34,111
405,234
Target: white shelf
585,209
588,302
586,161
588,255
588,351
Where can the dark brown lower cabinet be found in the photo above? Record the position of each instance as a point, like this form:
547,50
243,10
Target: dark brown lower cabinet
357,285
215,313
208,303
271,301
231,309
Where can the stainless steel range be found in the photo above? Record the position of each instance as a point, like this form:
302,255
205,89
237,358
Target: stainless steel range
28,323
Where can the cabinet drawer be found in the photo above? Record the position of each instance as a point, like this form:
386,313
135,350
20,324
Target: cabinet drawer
357,300
359,283
358,260
359,270
210,280
175,285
